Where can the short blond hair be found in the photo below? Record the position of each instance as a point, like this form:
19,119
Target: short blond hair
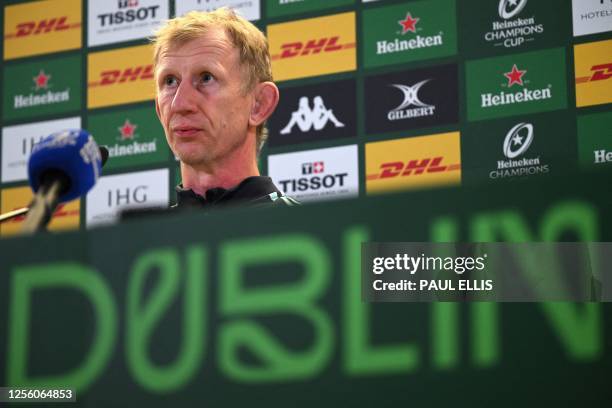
250,42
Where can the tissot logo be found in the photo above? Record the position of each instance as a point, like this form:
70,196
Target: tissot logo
113,194
593,63
113,21
414,162
131,74
592,16
316,174
401,33
18,140
311,47
411,99
314,112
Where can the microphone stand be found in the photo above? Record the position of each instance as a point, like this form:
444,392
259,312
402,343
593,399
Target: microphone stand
43,205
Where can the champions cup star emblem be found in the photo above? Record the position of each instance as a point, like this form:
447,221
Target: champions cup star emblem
41,80
510,8
515,76
409,23
127,130
514,145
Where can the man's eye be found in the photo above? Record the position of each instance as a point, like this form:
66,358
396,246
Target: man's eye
169,81
206,77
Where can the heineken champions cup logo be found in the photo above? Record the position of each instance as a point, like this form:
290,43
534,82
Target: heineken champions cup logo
517,142
513,31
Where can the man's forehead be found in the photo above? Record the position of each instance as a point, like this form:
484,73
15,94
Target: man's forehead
214,41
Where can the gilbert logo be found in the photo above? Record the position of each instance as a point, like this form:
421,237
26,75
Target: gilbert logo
41,27
311,47
126,145
593,63
120,76
306,118
515,77
315,46
517,142
411,98
513,31
414,162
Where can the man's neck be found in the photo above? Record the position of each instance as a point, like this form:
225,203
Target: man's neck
226,175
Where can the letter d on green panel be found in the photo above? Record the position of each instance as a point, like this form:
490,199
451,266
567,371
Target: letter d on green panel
66,275
297,298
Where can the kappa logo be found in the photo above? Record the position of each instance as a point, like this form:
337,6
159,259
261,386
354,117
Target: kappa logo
42,27
600,73
514,138
411,98
306,118
298,48
510,8
413,168
517,142
129,74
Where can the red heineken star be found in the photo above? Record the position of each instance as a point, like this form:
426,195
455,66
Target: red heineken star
515,76
41,80
409,24
127,130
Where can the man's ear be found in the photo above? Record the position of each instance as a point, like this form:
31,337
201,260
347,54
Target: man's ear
266,99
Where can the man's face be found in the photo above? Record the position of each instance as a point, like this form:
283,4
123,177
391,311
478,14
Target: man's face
200,100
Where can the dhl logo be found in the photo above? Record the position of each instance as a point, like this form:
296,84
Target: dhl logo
59,212
298,48
130,74
600,73
42,27
413,167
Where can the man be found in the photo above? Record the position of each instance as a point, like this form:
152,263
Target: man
214,92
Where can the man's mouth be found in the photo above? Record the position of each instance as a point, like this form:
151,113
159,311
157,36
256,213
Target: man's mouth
185,131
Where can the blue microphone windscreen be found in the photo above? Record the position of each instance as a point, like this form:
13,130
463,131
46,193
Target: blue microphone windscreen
71,152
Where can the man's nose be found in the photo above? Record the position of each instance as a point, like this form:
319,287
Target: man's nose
186,98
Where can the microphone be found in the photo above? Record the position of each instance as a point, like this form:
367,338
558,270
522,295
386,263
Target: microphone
62,167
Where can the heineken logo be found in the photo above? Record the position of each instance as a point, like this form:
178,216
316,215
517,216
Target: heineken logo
408,25
41,94
515,77
411,98
127,134
602,156
513,32
516,143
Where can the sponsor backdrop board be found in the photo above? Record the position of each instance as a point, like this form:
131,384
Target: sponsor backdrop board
377,96
351,73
